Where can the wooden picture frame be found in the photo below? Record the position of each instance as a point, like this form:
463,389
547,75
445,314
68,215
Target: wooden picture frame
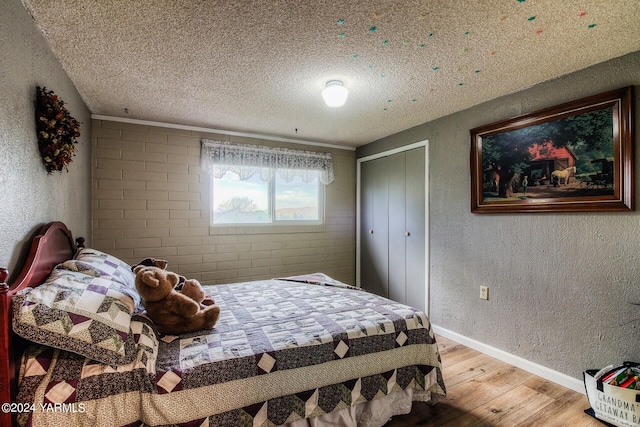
574,157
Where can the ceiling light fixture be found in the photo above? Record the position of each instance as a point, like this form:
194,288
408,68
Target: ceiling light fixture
335,94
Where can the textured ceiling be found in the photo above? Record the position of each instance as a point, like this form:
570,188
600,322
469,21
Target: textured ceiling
260,66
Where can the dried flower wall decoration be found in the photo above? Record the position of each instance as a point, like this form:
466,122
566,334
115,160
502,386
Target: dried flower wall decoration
57,131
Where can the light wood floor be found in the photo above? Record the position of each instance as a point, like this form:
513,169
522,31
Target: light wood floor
483,391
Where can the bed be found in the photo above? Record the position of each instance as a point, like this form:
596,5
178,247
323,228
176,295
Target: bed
77,350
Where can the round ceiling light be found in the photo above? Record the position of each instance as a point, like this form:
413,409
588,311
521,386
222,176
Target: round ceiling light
335,94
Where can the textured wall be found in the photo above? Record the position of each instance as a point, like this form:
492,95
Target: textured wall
560,284
30,197
150,198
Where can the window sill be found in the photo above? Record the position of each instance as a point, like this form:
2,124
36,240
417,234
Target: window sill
266,229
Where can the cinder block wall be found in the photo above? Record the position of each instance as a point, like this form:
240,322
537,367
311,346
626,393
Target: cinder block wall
151,199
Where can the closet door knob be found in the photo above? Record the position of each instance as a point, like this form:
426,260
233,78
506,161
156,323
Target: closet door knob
370,231
406,233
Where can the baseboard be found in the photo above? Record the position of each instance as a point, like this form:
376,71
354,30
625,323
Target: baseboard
539,370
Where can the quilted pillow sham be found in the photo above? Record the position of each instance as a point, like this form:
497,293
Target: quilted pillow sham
106,264
81,313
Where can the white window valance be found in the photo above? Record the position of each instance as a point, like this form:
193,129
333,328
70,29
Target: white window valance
220,157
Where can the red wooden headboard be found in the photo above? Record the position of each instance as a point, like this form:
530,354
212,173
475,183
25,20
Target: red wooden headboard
52,245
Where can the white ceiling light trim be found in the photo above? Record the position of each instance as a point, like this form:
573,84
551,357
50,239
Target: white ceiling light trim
335,94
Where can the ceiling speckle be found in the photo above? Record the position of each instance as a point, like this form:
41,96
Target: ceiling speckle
260,66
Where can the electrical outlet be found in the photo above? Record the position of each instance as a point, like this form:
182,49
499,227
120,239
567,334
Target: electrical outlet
484,292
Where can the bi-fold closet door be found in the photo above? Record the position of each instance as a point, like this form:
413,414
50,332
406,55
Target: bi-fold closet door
392,226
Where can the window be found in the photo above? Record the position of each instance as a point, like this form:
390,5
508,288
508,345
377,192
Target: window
265,185
297,200
254,201
239,202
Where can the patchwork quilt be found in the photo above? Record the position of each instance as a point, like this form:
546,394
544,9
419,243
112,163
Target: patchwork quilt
282,350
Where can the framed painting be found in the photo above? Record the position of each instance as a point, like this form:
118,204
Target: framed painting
574,157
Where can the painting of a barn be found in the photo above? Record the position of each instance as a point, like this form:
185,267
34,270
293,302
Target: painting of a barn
545,159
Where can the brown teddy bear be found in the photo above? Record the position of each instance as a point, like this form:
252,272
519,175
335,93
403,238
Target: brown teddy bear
174,312
163,264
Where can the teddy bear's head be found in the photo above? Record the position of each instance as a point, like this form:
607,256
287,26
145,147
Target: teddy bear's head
154,283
